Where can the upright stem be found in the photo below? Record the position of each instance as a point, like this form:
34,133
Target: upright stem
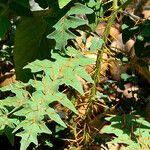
101,51
98,66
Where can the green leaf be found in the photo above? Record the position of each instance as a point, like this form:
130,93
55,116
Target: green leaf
7,122
96,44
44,128
11,101
124,26
63,3
31,131
50,90
4,26
48,143
62,31
79,9
102,96
70,80
30,43
37,65
54,116
140,38
125,76
122,127
92,3
128,29
79,71
27,138
62,99
20,8
10,136
63,69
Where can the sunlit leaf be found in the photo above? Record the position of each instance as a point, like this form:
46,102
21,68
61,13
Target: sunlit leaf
63,3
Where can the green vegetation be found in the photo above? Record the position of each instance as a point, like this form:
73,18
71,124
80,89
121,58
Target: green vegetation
61,94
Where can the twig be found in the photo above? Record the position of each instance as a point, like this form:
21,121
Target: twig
135,17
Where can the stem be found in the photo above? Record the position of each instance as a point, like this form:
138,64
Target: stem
99,62
100,56
101,51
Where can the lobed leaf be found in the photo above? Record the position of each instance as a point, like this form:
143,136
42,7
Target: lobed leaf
62,31
31,131
64,70
55,117
79,9
123,131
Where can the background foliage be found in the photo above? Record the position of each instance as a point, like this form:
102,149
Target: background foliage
59,94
